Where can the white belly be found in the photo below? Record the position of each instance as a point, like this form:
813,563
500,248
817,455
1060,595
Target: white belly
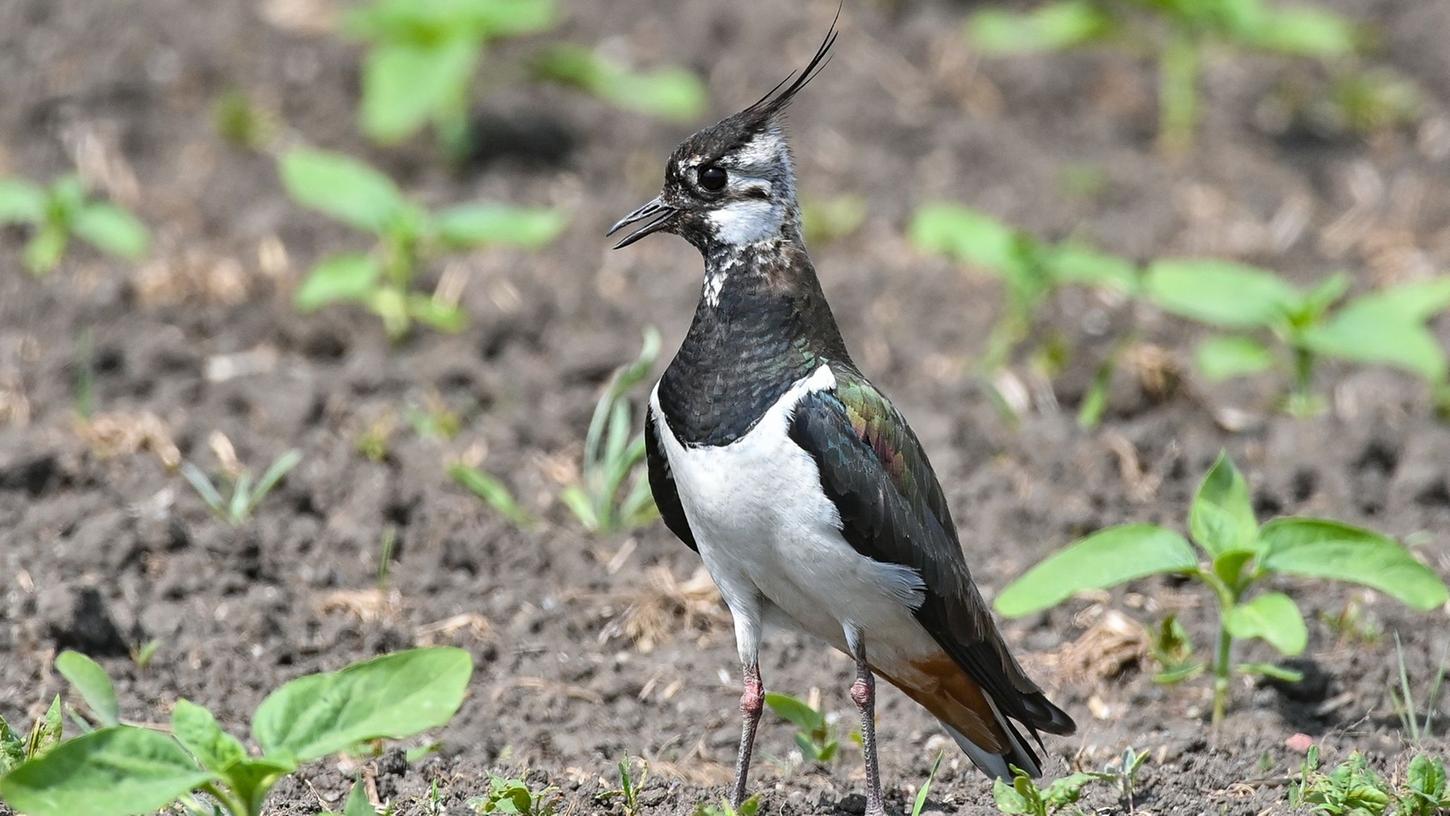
770,537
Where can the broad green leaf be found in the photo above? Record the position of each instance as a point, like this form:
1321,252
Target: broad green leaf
472,225
197,730
1323,295
12,747
668,93
1008,800
445,317
258,774
115,771
1066,790
342,187
794,711
393,696
1071,263
1227,356
1219,292
1222,515
111,229
1415,302
1426,781
93,684
45,249
1407,346
338,278
1052,27
406,84
970,237
1328,549
508,18
1106,558
1306,31
21,202
1229,564
1272,616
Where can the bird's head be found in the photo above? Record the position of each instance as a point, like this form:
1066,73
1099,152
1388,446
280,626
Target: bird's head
733,183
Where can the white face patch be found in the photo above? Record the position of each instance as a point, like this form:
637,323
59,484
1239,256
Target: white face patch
746,222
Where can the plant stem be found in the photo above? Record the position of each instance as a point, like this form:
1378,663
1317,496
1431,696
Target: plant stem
234,805
1221,670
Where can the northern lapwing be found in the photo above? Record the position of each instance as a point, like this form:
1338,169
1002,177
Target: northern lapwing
804,491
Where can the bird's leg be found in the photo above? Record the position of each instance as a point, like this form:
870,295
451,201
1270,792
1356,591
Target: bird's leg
863,694
752,702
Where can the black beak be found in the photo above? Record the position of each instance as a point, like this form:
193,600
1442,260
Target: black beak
656,211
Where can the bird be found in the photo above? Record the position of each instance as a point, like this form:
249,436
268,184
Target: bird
804,491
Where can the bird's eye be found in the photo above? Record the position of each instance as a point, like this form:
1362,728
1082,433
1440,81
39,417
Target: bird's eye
712,178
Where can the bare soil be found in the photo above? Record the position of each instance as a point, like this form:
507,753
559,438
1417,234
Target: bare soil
591,648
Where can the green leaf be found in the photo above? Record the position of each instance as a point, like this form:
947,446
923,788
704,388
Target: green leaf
508,18
1305,31
1283,673
1068,789
919,803
45,249
393,696
46,732
668,93
343,188
406,84
1219,292
338,278
1008,800
1272,616
1106,558
113,230
1229,564
472,225
1224,357
197,730
794,711
1426,785
12,748
970,237
357,802
92,683
1222,515
1328,549
1071,263
430,311
1415,302
492,490
21,202
1386,327
111,772
1053,27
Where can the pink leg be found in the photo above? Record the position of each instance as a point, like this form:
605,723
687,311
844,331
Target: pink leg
752,702
863,694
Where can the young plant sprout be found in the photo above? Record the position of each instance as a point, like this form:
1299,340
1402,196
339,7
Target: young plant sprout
516,796
814,734
407,237
237,509
674,94
62,211
44,735
492,491
613,453
1235,557
117,770
1024,797
1386,327
1179,33
1031,271
422,58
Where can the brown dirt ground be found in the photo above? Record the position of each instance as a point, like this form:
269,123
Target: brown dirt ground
101,550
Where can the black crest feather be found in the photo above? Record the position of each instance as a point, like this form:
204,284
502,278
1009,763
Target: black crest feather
773,103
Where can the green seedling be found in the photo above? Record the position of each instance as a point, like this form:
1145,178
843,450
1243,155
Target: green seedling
407,237
1352,623
1351,789
422,57
143,653
1239,557
1424,792
122,769
630,784
1174,653
1122,774
1403,700
1031,272
493,492
1179,33
814,734
1023,796
750,807
613,490
62,211
1386,327
507,795
242,122
674,94
357,803
44,735
919,804
246,495
94,686
387,547
827,220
